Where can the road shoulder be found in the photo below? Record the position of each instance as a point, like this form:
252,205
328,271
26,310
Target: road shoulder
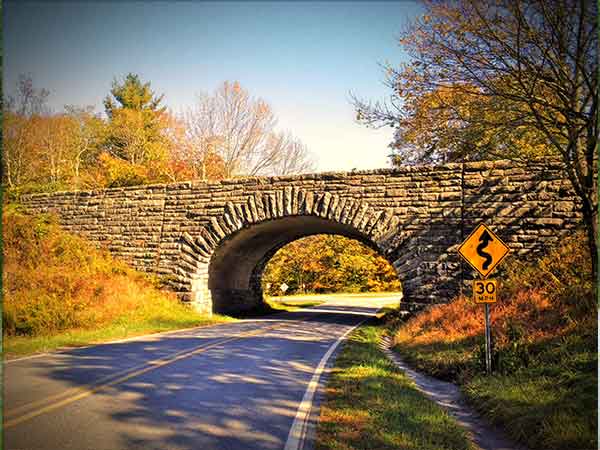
449,397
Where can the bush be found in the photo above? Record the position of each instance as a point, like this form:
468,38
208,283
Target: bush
55,281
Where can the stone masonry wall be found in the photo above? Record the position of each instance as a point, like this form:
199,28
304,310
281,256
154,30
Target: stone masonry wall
415,216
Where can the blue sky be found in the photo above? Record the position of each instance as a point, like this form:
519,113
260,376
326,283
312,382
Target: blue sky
302,57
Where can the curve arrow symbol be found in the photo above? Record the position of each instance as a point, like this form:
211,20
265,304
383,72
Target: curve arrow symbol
484,240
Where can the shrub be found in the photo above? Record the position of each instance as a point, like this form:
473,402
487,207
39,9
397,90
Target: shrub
55,281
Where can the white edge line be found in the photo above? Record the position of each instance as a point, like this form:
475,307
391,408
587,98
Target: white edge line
62,352
297,434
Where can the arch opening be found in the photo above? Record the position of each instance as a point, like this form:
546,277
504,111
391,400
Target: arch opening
327,264
237,264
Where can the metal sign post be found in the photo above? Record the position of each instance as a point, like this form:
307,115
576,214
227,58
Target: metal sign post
488,343
484,291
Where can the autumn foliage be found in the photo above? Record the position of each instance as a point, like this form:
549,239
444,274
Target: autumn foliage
139,141
55,281
328,263
537,303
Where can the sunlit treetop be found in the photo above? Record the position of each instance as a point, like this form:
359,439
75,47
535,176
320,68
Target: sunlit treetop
132,94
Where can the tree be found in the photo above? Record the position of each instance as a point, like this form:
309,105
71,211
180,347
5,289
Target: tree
241,131
141,134
28,100
189,154
46,152
136,122
78,149
328,263
130,138
448,124
88,135
500,78
19,155
284,155
132,94
53,140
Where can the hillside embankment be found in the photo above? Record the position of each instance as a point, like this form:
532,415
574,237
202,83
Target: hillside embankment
60,290
543,390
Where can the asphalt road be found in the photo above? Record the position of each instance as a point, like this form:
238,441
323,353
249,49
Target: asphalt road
245,385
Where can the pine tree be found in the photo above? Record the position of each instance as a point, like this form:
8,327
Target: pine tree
132,94
137,122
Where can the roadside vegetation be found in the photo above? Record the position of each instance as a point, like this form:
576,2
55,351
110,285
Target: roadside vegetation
543,390
324,264
371,404
60,290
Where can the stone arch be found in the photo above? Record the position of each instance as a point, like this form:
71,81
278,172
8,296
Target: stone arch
220,266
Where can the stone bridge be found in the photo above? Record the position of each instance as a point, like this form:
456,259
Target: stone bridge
213,240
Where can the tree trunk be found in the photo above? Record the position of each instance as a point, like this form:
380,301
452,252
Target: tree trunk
591,224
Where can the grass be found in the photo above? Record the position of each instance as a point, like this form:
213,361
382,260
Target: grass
59,290
17,346
370,404
543,391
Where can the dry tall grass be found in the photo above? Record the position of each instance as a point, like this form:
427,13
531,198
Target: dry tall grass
548,299
55,281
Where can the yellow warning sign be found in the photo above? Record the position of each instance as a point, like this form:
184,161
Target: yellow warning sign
483,250
484,291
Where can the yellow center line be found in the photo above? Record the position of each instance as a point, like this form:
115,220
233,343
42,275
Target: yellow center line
17,410
90,389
